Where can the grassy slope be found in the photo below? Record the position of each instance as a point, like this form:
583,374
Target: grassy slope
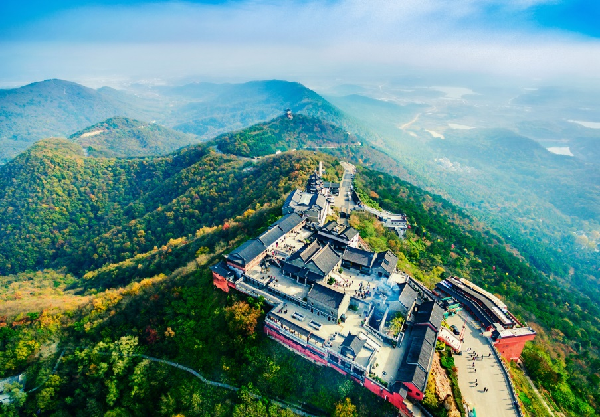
122,137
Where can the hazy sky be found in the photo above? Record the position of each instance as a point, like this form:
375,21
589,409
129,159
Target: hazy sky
108,40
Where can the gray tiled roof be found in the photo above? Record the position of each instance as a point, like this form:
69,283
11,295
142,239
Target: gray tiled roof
386,260
331,236
312,258
308,251
270,236
422,346
221,269
299,329
301,201
330,226
325,295
349,232
430,312
320,201
354,343
413,374
288,222
359,257
313,212
407,295
248,251
292,199
490,312
326,259
329,233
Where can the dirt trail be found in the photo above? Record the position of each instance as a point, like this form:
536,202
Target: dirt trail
407,125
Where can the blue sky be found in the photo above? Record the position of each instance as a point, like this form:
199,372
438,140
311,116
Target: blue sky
285,39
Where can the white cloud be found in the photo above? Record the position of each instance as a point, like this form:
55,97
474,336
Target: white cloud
278,39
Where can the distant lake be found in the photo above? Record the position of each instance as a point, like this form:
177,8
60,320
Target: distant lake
454,93
591,125
457,126
560,150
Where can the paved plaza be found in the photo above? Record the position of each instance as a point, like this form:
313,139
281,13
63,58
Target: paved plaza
497,402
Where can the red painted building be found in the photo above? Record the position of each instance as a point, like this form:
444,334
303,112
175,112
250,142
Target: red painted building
510,342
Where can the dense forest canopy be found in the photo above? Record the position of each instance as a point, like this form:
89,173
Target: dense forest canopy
283,134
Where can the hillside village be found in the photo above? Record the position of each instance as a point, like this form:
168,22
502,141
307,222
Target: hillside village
339,304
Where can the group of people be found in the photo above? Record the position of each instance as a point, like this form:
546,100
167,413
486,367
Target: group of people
363,291
345,284
473,357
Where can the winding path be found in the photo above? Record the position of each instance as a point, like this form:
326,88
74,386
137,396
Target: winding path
406,125
291,407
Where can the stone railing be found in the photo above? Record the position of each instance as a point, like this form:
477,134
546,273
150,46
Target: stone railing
254,283
511,386
255,292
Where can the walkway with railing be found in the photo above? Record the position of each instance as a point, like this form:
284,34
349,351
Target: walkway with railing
513,390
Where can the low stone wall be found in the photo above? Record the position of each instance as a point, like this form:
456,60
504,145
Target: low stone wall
511,386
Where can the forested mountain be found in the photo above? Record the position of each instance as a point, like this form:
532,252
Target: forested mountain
211,109
61,209
282,134
53,199
568,184
122,137
148,228
58,108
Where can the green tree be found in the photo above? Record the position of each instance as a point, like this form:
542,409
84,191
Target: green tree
345,409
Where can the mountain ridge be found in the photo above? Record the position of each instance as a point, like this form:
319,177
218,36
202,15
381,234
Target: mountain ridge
284,133
125,137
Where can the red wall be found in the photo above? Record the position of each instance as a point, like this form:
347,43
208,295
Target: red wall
306,353
220,282
413,392
511,347
393,398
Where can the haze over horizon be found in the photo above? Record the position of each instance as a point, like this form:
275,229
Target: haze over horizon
110,42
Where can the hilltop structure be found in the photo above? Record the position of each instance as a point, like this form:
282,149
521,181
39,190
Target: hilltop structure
334,301
508,334
313,206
